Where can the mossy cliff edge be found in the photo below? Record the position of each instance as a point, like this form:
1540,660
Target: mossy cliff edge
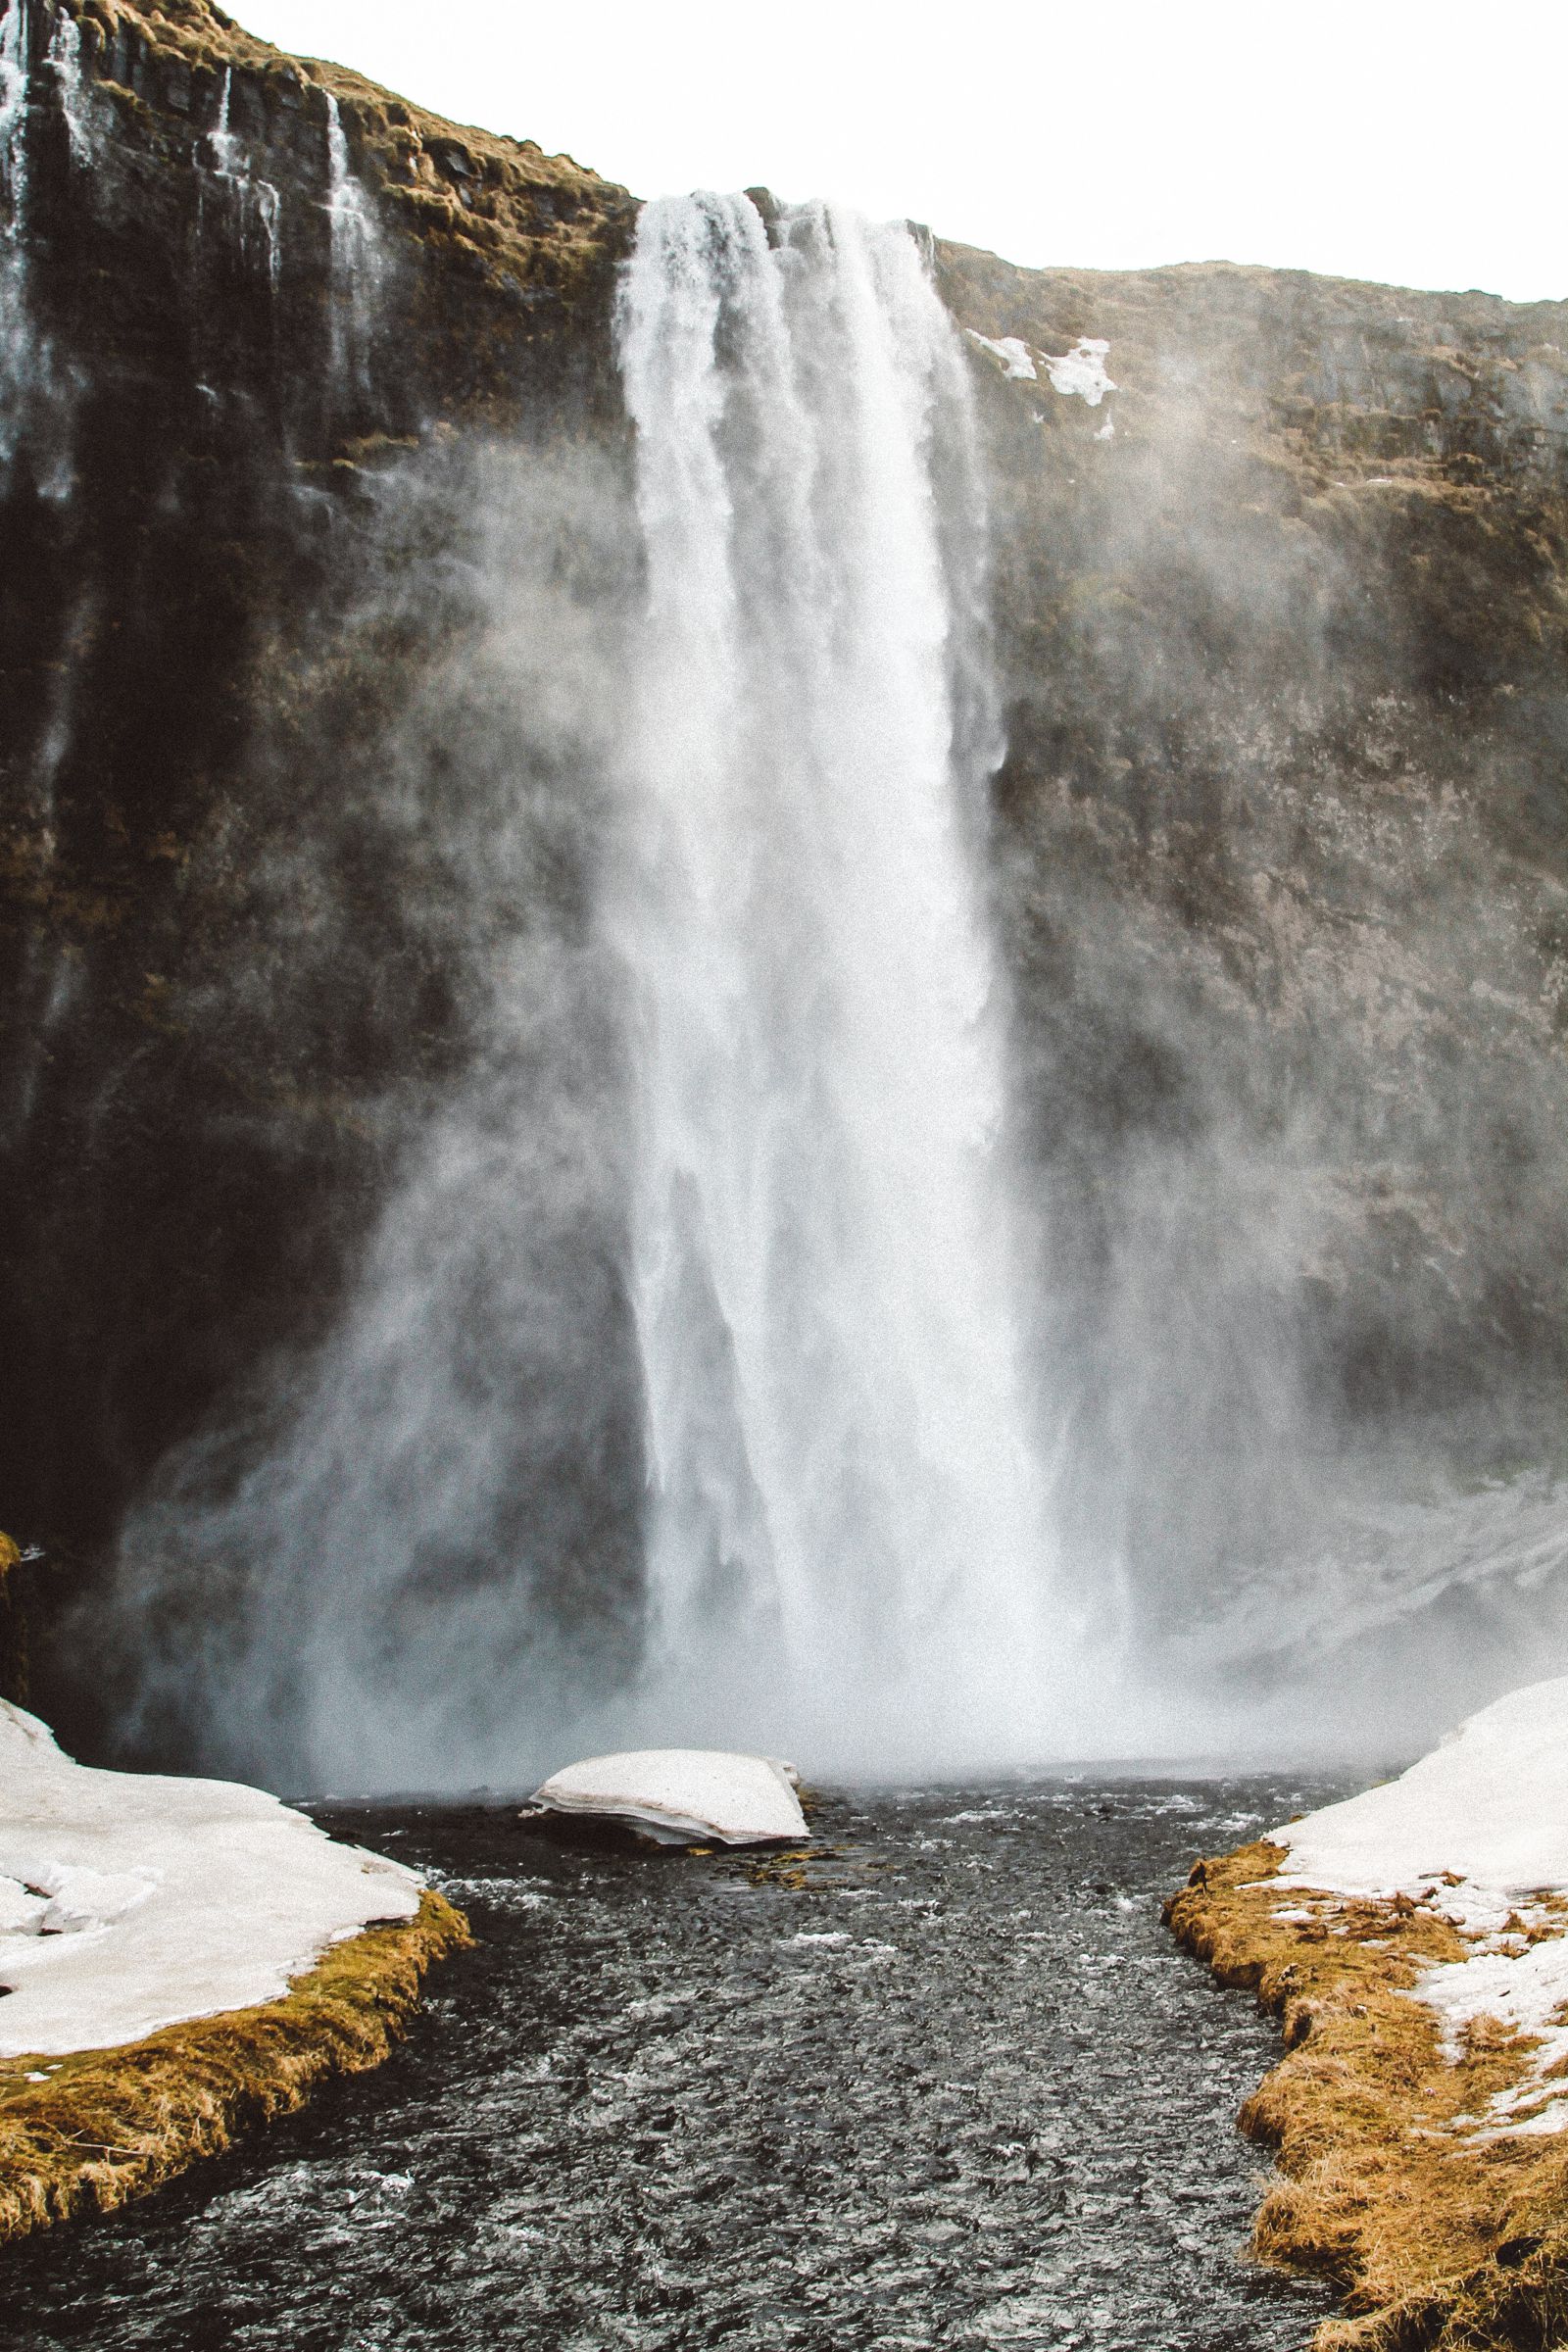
110,2124
1439,2234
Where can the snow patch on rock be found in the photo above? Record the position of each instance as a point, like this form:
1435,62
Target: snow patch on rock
1081,371
1014,354
129,1901
681,1795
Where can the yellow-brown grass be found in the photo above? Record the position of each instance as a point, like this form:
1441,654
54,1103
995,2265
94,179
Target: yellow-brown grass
1436,2237
110,2124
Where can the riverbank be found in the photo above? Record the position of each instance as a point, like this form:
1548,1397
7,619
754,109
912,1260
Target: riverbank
178,1958
1413,1942
103,2126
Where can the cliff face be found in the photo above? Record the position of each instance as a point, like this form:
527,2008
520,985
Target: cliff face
1285,841
242,534
1282,830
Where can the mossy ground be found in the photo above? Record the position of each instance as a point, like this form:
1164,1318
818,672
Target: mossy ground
110,2124
1437,2237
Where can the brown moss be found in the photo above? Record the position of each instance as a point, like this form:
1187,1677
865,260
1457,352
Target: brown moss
110,2124
1436,2237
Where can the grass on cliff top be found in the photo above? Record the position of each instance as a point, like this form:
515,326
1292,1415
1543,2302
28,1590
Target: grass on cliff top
1436,2238
111,2124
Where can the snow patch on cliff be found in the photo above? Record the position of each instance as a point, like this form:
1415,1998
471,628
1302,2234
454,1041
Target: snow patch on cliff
1081,371
131,1901
1014,354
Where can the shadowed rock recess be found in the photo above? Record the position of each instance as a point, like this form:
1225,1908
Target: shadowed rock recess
1279,843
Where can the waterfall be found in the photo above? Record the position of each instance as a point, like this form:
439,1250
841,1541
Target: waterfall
354,258
845,1544
720,1207
65,57
17,344
37,395
15,56
254,199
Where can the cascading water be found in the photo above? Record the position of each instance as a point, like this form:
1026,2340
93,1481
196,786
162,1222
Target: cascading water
14,45
14,335
256,201
37,394
845,1536
777,957
356,255
65,60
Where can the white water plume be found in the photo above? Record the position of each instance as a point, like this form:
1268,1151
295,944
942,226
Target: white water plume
845,1524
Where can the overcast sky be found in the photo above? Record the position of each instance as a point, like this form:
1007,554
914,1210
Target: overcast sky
1415,141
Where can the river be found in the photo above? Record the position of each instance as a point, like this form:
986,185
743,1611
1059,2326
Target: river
949,2082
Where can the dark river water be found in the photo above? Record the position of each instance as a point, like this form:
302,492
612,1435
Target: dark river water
957,2087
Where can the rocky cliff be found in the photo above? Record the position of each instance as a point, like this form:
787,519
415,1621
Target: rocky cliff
1282,831
252,383
1285,841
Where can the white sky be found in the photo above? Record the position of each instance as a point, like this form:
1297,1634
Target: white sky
1416,141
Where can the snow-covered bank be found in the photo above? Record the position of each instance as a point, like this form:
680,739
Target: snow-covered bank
1477,1833
130,1902
1413,1940
1488,1808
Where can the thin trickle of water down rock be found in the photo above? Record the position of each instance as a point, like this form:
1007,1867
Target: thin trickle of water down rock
845,1532
354,258
36,395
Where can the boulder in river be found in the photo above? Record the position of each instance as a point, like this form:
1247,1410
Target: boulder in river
681,1795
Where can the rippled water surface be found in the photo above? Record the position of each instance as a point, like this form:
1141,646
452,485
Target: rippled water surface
955,2086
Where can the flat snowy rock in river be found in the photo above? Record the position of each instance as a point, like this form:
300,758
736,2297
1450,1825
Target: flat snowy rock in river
130,1900
678,1794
